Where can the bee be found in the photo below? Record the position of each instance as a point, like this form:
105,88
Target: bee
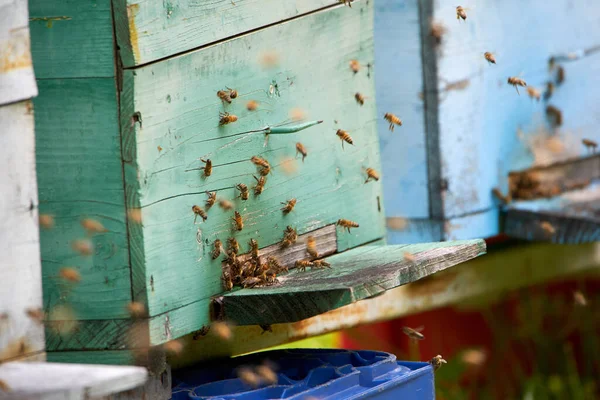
267,374
266,328
274,264
217,249
70,274
461,13
135,215
264,165
93,226
321,264
549,91
579,298
409,257
248,376
560,75
252,105
46,221
83,247
534,93
302,150
136,309
345,223
498,194
393,120
225,204
474,357
372,174
344,137
437,31
244,194
251,282
489,57
224,96
233,93
302,264
208,167
233,245
253,248
289,237
201,332
222,330
270,277
226,281
513,80
288,206
260,185
414,334
226,118
36,314
4,387
436,362
311,247
346,2
547,227
174,347
238,221
360,99
590,144
555,114
354,66
212,198
198,211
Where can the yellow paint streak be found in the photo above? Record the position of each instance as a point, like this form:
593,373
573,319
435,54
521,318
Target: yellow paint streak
14,54
132,11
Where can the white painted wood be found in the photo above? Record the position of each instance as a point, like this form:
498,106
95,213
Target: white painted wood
37,381
20,270
17,81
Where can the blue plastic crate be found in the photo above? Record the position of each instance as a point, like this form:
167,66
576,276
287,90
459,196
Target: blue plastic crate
303,374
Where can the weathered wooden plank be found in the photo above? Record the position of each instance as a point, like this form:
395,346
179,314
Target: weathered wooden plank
80,176
148,31
178,110
17,81
103,357
72,39
37,381
20,270
356,274
573,217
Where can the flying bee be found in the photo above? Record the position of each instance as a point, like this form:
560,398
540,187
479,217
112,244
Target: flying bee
489,57
437,31
302,150
225,204
70,274
347,224
226,118
233,245
498,194
253,248
372,174
224,96
265,372
461,13
534,93
303,264
83,246
248,376
560,75
244,194
222,330
547,227
590,144
360,99
354,66
198,211
207,167
409,257
218,249
344,137
513,80
233,93
46,221
265,167
289,237
393,120
136,309
173,347
93,226
436,362
555,114
321,264
288,206
260,185
238,221
414,334
311,247
212,198
549,91
579,298
252,105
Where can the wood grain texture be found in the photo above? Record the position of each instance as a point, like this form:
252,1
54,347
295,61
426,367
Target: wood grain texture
148,31
20,270
356,274
17,81
103,357
71,38
571,218
178,107
80,176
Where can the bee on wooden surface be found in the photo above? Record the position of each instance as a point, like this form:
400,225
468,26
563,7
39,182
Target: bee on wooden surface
222,330
226,118
436,362
498,194
579,298
217,249
93,226
238,221
198,211
253,248
345,223
393,120
267,374
372,174
288,206
560,75
514,81
260,185
414,334
461,13
244,194
547,227
46,221
36,314
233,245
409,257
265,167
251,282
224,96
534,93
225,204
248,376
83,247
346,2
226,281
289,237
274,264
270,277
266,328
360,99
302,150
212,198
252,105
549,91
233,93
590,144
344,137
70,274
208,167
321,264
555,115
354,66
301,265
311,247
489,57
136,309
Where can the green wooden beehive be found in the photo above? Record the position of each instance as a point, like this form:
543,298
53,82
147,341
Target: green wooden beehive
127,110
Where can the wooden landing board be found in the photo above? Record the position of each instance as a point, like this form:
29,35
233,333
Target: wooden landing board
572,218
354,275
52,381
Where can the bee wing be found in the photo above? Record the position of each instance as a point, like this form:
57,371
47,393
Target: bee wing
419,329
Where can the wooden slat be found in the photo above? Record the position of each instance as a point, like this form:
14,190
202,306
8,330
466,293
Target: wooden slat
354,275
148,31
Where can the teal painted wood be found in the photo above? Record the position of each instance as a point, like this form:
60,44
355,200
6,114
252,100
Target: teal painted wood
354,275
71,38
80,176
149,30
179,109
